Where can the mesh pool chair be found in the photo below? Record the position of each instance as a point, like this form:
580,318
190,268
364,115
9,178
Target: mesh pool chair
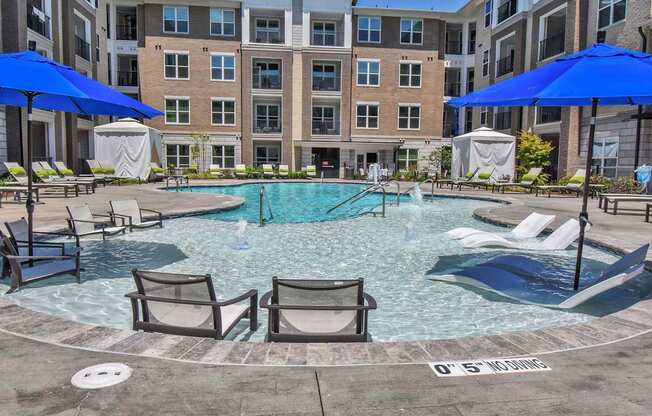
268,171
69,173
185,304
241,171
18,237
24,269
100,172
47,175
528,181
311,171
317,311
83,222
156,173
133,214
20,176
283,171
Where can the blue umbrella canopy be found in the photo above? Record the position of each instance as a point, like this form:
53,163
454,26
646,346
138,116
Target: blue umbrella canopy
61,88
612,75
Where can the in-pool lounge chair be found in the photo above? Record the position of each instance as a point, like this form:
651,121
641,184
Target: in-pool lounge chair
317,311
46,174
530,227
20,176
530,281
132,213
283,171
311,171
560,239
528,181
575,185
241,171
215,171
66,173
268,171
18,238
24,269
82,222
185,304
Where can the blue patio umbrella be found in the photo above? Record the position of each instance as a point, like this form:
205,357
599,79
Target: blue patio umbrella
30,80
601,75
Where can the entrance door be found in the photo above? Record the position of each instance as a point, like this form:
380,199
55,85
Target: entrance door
371,158
39,141
327,160
553,169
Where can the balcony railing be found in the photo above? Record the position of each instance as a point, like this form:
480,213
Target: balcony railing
266,82
126,32
551,46
452,89
268,37
128,78
507,10
450,129
321,83
454,47
548,115
82,48
505,65
325,127
503,120
267,126
38,24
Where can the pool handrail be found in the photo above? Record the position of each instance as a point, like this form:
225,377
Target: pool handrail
360,195
262,198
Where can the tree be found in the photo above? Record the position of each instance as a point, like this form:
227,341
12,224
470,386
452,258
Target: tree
440,158
197,149
533,152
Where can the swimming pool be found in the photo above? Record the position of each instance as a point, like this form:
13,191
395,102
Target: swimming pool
394,255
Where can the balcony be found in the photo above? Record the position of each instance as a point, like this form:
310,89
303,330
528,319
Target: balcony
503,120
39,24
264,126
507,10
325,127
126,32
325,83
454,47
452,89
127,78
82,48
551,46
548,115
266,82
505,65
268,37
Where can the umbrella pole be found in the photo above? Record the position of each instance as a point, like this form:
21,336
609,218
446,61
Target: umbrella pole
30,200
584,215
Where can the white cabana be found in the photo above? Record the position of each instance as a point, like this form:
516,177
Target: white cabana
128,146
486,149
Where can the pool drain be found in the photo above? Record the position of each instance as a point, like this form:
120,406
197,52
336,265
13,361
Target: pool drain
101,375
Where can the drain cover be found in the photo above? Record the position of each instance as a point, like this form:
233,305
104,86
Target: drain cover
101,375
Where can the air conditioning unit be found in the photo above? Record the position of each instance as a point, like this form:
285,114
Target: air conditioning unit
602,36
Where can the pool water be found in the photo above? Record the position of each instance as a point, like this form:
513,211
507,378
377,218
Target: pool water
395,255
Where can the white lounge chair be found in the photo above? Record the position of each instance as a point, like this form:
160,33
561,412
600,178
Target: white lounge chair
133,213
560,239
83,222
530,227
523,279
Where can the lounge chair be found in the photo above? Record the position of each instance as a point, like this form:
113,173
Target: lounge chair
133,214
83,222
524,279
215,171
311,171
283,171
530,227
19,238
241,171
443,180
268,171
98,171
66,173
481,179
20,176
317,311
26,269
575,185
528,181
46,174
156,173
18,191
560,239
467,178
184,304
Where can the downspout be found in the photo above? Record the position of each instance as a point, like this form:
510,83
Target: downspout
639,119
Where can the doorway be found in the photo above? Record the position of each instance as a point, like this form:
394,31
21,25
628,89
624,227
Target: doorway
327,161
553,169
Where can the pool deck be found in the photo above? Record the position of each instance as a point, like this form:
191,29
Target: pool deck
370,371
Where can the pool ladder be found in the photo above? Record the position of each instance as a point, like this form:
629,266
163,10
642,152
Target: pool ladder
367,191
262,201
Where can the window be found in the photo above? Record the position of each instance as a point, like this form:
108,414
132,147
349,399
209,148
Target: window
488,7
507,9
267,154
410,74
367,116
407,159
548,115
268,31
468,119
605,156
409,116
223,111
268,118
470,80
323,33
176,65
484,115
412,31
222,67
324,77
222,22
485,63
266,75
470,49
323,119
369,29
224,156
503,118
177,110
177,155
610,12
368,73
175,19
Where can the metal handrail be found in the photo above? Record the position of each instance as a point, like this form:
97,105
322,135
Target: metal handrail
398,191
262,197
352,199
432,189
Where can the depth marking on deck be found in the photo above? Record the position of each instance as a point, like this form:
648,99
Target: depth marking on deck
489,366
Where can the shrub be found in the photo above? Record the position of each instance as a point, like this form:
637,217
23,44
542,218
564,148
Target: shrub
297,175
533,152
623,184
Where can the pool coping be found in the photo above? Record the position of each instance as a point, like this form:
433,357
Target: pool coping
619,326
